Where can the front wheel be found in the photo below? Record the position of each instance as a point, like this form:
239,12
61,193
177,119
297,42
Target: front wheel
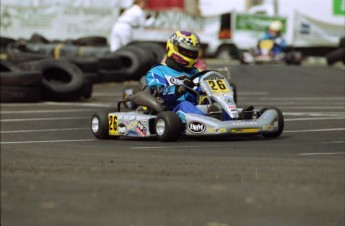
168,126
100,125
279,121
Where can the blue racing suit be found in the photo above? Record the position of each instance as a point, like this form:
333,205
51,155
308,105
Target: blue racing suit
280,44
166,79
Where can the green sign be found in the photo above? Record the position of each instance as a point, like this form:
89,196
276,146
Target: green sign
257,23
339,7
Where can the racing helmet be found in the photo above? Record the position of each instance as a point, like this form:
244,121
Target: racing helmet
276,26
183,48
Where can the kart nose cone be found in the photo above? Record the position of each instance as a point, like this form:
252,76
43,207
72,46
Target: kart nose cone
160,127
95,124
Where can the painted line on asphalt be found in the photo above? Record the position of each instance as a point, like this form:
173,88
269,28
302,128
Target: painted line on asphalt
184,146
45,141
44,130
335,142
314,114
314,130
309,119
45,111
41,119
323,153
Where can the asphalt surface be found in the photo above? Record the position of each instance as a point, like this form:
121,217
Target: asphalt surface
54,172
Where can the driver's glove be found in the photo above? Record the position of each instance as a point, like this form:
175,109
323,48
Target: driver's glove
188,82
180,90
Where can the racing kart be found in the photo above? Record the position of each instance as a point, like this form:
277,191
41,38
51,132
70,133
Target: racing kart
264,54
152,119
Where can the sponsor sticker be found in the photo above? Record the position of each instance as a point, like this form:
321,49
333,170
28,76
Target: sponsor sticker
248,130
141,129
196,127
216,130
122,129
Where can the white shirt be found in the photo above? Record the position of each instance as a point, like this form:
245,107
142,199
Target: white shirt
135,16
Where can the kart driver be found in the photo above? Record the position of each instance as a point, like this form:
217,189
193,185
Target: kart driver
274,34
171,78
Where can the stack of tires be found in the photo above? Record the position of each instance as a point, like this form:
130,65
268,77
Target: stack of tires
129,62
46,79
67,71
337,54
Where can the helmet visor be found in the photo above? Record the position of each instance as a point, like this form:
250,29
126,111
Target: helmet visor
188,53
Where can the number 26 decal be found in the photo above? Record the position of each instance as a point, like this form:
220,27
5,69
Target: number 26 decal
113,125
218,86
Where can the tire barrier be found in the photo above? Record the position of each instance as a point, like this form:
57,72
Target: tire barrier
336,55
130,62
4,42
293,58
62,81
91,41
8,66
20,86
69,69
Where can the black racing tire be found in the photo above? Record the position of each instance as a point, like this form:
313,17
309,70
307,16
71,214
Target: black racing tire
85,64
112,76
7,66
5,41
110,61
280,122
62,81
100,125
91,41
87,89
168,126
135,61
293,58
21,86
93,77
336,55
37,38
155,49
342,42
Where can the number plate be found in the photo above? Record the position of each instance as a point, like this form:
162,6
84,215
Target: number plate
113,122
218,85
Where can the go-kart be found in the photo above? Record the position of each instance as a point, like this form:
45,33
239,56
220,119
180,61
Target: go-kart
264,54
222,116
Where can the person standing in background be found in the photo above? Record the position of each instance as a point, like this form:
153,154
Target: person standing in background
131,18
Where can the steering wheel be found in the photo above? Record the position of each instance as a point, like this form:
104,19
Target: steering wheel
199,74
191,90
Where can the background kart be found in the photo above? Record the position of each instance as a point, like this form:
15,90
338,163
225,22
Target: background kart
151,119
264,54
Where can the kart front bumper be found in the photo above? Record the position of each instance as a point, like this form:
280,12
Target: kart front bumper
203,125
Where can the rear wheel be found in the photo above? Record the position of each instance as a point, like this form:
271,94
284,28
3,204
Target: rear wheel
168,126
100,126
279,120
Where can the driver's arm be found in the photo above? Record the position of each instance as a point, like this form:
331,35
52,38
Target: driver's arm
155,79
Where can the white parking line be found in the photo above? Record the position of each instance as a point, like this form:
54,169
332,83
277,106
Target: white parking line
44,141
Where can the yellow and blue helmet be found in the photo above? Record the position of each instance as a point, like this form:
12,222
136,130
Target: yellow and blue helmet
183,48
